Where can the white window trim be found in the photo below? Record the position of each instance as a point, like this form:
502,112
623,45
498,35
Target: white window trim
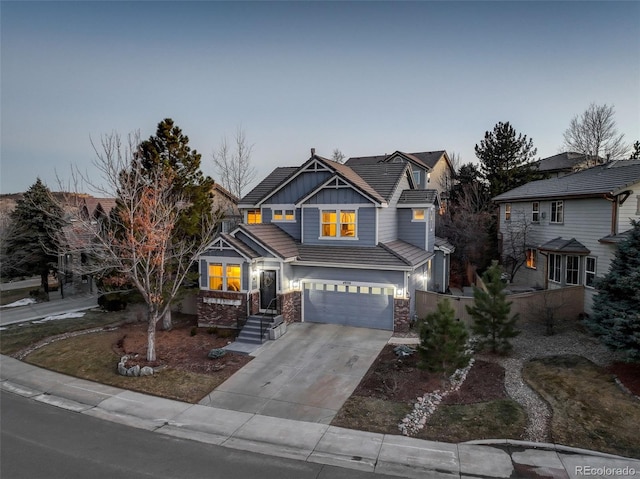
535,211
595,271
246,215
282,208
566,270
418,220
557,260
224,263
337,237
551,220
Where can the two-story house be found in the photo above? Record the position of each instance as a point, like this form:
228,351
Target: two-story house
327,242
573,224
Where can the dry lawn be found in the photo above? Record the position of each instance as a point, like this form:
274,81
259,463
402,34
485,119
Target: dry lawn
589,409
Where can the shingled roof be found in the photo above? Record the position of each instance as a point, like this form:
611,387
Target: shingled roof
418,197
427,159
559,245
566,161
273,238
376,257
611,178
383,177
266,186
410,254
240,246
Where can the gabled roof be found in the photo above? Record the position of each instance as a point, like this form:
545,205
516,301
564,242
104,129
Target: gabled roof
239,246
611,178
272,238
559,245
266,186
408,253
426,159
418,197
218,188
352,177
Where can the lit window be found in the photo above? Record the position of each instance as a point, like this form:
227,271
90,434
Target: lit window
289,215
507,212
531,258
254,217
418,215
233,277
215,276
225,277
277,215
590,271
554,267
573,268
557,215
535,212
342,221
284,215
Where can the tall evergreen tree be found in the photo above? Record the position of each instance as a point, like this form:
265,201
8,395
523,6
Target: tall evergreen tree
491,313
616,308
169,149
443,341
31,247
506,159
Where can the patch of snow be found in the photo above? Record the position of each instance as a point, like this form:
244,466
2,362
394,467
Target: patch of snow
20,302
59,316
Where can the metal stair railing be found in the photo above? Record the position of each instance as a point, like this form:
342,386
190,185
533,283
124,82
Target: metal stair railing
266,311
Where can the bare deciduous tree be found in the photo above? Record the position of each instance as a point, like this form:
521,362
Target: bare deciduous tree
137,242
594,134
337,156
234,164
515,242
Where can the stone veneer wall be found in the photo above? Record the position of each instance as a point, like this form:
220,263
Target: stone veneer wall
291,306
221,308
401,319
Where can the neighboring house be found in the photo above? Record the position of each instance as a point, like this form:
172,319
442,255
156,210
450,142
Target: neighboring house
574,223
328,242
226,203
565,163
75,243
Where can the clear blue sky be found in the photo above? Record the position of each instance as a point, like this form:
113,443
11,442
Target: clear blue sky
367,78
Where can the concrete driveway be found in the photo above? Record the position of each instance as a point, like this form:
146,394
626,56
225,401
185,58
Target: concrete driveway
306,375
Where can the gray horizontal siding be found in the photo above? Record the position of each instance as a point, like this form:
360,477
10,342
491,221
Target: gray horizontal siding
344,274
414,233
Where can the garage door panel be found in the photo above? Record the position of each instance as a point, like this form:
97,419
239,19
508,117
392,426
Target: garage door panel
362,306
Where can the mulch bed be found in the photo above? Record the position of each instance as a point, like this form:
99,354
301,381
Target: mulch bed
400,379
178,348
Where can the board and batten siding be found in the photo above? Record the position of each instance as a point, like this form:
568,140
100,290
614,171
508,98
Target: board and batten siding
337,196
365,229
300,186
387,217
413,232
292,228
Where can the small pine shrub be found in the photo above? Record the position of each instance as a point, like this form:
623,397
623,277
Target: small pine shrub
216,353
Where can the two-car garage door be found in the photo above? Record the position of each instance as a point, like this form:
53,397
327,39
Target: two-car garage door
369,306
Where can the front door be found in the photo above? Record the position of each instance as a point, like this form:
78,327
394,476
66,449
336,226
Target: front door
267,289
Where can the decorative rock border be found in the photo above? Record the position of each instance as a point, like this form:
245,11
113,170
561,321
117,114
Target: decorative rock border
133,371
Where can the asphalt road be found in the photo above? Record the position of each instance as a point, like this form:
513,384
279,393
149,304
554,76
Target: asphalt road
42,441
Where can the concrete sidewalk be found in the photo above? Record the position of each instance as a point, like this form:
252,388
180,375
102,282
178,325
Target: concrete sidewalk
321,443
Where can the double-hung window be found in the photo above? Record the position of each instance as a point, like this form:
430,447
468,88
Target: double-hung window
507,211
590,271
225,277
557,211
573,269
535,212
338,224
555,267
